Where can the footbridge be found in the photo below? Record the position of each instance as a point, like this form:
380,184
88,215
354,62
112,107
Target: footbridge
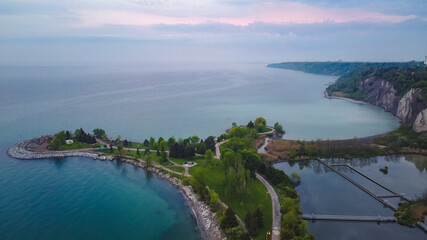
348,218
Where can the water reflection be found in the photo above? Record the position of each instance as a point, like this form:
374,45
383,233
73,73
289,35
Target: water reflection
325,192
419,161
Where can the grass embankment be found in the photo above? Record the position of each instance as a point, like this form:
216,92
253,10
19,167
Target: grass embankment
303,150
256,194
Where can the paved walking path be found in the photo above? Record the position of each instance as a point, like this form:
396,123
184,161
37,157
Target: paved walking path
276,208
217,152
274,198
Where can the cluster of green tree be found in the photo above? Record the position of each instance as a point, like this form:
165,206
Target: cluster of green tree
78,136
84,137
254,221
226,217
241,162
181,150
404,136
404,214
229,223
403,78
338,68
278,128
350,148
293,227
100,133
59,140
199,145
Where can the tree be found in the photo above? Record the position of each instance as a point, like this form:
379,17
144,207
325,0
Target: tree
78,132
213,200
164,156
58,140
209,155
235,233
250,125
152,141
98,132
104,136
295,178
148,160
288,204
162,144
210,143
260,123
146,143
201,148
171,141
292,153
234,124
258,218
67,135
194,140
156,145
250,224
229,220
137,152
278,128
147,151
118,138
120,150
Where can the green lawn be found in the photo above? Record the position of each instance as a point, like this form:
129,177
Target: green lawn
265,129
176,168
256,195
181,161
141,146
75,145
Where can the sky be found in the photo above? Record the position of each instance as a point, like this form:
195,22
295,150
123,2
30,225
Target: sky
132,32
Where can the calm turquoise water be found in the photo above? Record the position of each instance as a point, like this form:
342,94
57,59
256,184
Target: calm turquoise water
78,198
325,192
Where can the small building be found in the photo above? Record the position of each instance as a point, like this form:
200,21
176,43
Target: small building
69,141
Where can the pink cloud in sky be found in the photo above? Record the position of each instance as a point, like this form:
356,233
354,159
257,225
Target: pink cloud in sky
278,13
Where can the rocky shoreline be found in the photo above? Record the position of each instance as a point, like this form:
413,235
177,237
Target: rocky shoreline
206,219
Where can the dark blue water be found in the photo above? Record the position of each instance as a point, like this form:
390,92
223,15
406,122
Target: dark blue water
79,198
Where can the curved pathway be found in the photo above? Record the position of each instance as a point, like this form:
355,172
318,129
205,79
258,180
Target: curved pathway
276,208
217,152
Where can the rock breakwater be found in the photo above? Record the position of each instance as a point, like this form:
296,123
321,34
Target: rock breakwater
206,219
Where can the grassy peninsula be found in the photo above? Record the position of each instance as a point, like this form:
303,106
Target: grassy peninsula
229,183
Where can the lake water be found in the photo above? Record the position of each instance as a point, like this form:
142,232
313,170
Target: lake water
325,192
81,198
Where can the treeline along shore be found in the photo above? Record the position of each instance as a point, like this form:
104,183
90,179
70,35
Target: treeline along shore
228,192
206,220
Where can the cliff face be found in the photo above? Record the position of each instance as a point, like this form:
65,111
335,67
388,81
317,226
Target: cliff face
420,124
410,105
411,108
381,93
